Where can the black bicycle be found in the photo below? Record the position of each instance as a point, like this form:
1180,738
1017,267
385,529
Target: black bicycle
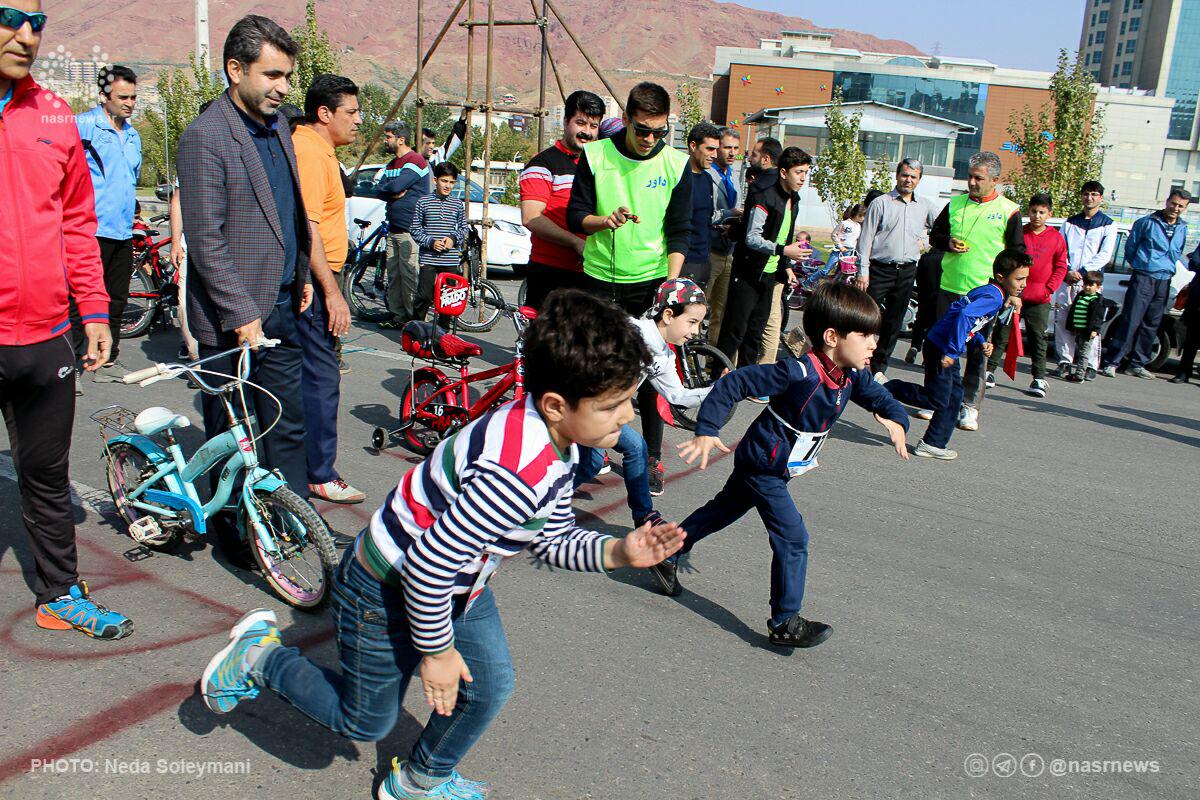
366,283
697,362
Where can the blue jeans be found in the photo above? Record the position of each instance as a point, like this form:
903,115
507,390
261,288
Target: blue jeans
321,386
942,392
785,527
1137,327
378,660
632,448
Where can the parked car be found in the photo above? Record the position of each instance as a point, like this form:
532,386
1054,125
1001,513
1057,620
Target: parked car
509,241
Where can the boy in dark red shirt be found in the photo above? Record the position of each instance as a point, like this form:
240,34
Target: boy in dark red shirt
1048,249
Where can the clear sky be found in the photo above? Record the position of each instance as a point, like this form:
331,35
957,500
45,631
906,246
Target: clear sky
1026,33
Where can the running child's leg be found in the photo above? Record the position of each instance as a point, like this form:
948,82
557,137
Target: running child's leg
590,461
789,545
632,448
729,505
944,388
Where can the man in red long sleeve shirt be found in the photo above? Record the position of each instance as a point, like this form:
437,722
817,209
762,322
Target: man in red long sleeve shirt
1048,249
47,249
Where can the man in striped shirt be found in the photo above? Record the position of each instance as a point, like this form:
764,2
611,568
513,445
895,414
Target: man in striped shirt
439,228
411,596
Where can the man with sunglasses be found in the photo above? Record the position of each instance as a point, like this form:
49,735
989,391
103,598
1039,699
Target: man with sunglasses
632,197
48,251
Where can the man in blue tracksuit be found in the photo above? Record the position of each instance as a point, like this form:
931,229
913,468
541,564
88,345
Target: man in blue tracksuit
959,328
806,397
1154,246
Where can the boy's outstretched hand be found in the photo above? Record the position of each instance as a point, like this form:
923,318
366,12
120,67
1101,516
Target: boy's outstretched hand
896,433
700,446
645,546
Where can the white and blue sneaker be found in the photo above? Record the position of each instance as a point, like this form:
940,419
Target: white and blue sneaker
398,786
226,679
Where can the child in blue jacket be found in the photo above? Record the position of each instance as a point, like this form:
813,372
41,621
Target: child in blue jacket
806,397
946,343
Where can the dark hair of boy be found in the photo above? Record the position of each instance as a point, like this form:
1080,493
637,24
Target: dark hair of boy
676,309
327,91
1009,261
583,102
1093,277
1042,199
248,35
703,130
770,147
854,210
581,346
793,157
1091,186
110,75
648,98
845,308
871,195
445,168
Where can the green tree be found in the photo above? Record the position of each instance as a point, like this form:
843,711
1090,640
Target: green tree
840,174
687,93
182,92
1059,145
317,56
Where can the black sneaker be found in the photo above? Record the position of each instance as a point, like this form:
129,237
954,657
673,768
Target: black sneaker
657,475
911,356
1089,374
653,517
393,324
667,573
799,632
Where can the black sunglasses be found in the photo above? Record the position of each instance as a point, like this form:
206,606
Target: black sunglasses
655,133
14,18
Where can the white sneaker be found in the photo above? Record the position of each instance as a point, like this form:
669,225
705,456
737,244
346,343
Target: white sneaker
336,491
922,413
606,467
1037,388
929,451
881,378
968,418
990,380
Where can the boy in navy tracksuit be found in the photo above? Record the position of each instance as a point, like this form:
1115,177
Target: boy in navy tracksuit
807,395
946,343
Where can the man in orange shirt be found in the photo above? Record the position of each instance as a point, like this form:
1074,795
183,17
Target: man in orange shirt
331,119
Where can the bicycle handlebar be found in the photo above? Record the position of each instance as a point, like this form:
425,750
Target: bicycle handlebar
158,372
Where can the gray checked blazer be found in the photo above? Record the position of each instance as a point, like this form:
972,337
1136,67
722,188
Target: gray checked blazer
234,234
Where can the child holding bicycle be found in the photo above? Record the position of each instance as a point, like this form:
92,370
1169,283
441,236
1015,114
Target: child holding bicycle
679,308
411,597
439,228
806,397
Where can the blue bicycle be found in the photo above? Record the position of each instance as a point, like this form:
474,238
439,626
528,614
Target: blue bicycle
365,273
154,486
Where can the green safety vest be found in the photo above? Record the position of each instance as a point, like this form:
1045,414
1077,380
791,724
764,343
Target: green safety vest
981,226
637,251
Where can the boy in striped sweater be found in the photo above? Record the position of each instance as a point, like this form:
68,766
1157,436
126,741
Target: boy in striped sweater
439,228
1088,313
411,596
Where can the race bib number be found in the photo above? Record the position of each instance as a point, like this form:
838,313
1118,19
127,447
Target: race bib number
485,573
804,452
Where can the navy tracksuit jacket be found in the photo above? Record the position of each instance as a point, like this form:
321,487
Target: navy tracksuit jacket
804,400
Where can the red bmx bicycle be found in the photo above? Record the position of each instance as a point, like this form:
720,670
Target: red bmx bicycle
433,405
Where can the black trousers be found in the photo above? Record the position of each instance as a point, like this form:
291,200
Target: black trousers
929,279
632,298
1191,336
652,423
37,390
746,314
117,257
424,297
891,287
542,279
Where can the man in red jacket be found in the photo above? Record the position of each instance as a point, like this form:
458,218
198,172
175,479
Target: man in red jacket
1048,249
47,250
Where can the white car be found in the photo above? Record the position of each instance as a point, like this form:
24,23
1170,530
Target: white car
509,241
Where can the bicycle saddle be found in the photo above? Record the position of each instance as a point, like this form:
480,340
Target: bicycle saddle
527,312
427,340
157,419
362,223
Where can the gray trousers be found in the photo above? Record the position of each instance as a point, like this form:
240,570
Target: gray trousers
402,271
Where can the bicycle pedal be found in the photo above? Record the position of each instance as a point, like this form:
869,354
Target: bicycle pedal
146,530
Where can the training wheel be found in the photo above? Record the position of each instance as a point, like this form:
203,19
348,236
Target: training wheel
379,438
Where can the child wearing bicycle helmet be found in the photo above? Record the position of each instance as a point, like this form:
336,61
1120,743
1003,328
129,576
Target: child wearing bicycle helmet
411,596
806,397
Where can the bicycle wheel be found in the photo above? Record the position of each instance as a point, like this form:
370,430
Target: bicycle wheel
366,286
697,362
484,302
303,571
142,306
426,424
128,468
523,292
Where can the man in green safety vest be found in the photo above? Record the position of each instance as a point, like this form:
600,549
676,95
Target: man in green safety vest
972,230
632,197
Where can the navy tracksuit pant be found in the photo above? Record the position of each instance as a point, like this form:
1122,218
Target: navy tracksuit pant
748,489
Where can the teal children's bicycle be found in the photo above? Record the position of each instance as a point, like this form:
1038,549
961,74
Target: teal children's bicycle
154,486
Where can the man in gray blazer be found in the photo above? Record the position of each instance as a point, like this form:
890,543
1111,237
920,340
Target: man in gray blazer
248,238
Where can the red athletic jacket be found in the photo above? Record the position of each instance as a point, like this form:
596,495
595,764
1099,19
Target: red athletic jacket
48,242
1048,250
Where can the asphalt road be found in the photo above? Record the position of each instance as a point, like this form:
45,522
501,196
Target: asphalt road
1035,600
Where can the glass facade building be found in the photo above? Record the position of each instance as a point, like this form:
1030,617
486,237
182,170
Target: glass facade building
961,101
1184,81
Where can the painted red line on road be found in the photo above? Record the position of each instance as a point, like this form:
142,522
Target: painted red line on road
677,476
